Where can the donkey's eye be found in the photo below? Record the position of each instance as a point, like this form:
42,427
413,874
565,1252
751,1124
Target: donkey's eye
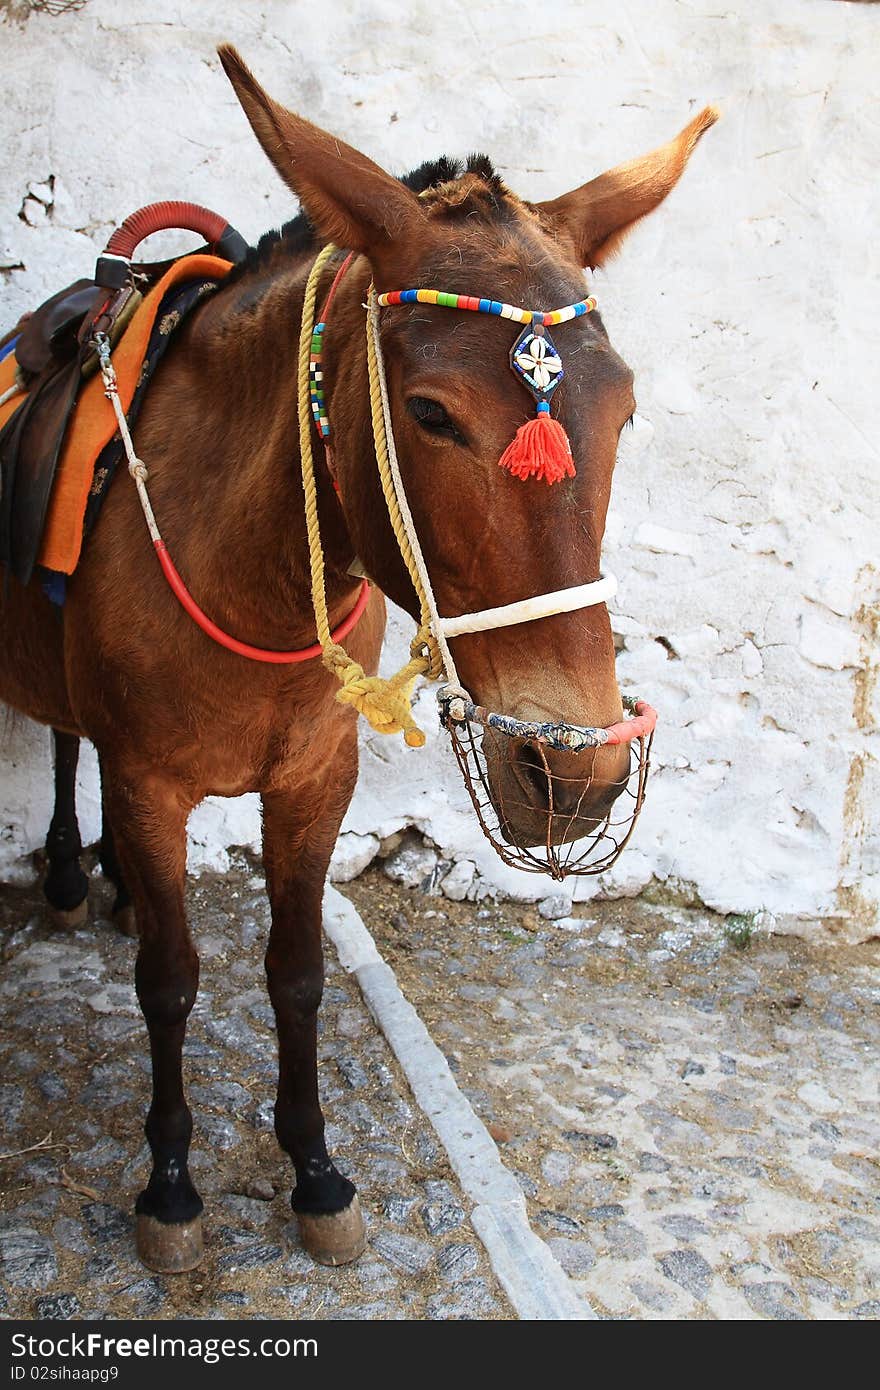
433,418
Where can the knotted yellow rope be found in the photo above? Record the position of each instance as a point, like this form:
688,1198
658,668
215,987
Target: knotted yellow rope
384,703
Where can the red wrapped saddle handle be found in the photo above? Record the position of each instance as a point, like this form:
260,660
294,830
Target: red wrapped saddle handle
112,270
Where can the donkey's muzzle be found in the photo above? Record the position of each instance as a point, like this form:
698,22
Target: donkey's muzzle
552,798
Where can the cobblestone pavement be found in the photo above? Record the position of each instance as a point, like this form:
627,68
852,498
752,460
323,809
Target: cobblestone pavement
74,1088
694,1121
692,1114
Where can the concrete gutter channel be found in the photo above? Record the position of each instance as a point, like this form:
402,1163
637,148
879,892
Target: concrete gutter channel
534,1281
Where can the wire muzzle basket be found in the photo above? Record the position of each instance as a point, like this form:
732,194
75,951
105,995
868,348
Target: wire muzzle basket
542,802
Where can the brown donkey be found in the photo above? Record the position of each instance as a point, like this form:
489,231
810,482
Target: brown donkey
176,718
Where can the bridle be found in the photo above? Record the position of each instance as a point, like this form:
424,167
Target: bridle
436,630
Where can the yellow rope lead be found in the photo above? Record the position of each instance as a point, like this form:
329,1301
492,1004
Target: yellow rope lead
384,703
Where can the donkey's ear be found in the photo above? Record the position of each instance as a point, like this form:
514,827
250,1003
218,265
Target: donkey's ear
347,197
598,215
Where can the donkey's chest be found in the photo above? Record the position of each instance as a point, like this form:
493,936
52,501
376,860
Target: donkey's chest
262,743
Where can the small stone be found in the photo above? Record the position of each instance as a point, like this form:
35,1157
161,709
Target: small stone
826,1129
147,1295
11,1105
683,1227
352,1072
260,1189
817,1098
650,1294
397,1208
233,1298
222,1095
470,1301
263,1116
375,1277
351,855
43,192
587,1139
458,881
774,1300
528,1185
411,863
100,1155
457,1261
58,1306
363,1120
249,1257
220,1133
367,1312
51,1086
606,1211
653,1163
870,1309
558,1221
556,1168
610,936
441,1214
250,930
27,1257
689,1269
404,1252
555,906
500,1133
692,1068
33,212
107,1224
233,1031
70,1235
577,1257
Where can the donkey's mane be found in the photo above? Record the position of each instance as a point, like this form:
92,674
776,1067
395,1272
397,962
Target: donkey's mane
298,235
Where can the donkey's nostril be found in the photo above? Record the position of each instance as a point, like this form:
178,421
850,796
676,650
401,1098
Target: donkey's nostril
552,789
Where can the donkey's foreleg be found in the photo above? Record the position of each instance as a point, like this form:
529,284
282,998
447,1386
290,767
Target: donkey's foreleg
149,817
296,852
66,886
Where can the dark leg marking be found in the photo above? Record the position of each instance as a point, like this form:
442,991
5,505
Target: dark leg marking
66,886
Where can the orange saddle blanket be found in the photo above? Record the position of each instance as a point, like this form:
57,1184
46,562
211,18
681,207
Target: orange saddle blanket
93,423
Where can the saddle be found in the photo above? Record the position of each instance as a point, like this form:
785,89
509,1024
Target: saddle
50,357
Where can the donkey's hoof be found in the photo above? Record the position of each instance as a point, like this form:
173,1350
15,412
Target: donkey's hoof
169,1247
71,919
124,921
333,1237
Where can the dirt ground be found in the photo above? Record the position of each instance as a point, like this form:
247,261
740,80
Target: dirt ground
690,1108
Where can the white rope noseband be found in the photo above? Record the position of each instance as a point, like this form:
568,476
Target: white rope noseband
528,609
525,611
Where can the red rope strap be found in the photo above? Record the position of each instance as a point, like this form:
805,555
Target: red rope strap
232,644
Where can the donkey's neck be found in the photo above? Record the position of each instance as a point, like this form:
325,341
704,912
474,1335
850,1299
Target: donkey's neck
237,504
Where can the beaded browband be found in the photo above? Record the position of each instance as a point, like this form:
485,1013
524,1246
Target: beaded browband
541,448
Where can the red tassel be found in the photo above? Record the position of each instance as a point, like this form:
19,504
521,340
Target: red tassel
539,450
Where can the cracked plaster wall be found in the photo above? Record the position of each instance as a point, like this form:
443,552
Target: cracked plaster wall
744,516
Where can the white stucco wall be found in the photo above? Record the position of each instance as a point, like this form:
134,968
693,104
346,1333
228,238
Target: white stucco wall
744,521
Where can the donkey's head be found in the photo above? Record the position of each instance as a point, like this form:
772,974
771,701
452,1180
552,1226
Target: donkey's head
489,538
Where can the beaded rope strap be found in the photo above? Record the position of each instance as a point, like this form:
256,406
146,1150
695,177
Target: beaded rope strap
316,382
541,448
